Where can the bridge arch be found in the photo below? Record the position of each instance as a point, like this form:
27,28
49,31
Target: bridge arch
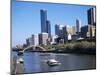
32,46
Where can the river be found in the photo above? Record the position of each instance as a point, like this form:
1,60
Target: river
36,62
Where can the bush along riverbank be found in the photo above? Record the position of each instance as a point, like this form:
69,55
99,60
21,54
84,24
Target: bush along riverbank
73,47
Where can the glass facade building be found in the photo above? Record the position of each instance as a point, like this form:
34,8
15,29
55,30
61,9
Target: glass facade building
43,18
91,14
48,28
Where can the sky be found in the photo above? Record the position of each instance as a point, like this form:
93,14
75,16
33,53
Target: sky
26,18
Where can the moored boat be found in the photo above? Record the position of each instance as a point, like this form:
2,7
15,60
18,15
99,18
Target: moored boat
53,62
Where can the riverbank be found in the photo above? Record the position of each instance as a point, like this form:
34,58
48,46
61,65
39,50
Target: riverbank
68,51
83,47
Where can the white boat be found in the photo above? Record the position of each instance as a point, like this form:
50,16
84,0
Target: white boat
53,62
20,60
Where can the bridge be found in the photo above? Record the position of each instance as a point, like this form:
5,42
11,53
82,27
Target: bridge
40,48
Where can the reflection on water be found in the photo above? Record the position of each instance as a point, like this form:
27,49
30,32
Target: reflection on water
36,62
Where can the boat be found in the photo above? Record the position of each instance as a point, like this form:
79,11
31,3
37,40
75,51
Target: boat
53,62
20,60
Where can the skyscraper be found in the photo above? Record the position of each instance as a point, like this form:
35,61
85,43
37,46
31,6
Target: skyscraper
65,35
43,18
56,29
32,39
35,39
45,24
88,31
78,26
43,37
27,42
48,28
91,14
59,30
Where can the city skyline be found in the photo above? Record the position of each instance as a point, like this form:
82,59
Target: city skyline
25,23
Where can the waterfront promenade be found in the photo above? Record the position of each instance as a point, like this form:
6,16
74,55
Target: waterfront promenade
16,67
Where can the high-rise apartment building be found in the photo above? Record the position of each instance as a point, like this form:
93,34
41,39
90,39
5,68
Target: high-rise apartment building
91,15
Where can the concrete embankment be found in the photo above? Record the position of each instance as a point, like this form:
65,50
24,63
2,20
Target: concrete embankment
16,67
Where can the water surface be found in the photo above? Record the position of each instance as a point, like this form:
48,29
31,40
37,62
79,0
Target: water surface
36,62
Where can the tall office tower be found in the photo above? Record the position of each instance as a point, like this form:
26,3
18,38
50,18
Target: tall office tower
91,14
56,29
88,31
48,28
43,18
78,26
27,42
59,30
32,39
45,24
35,39
64,34
43,37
